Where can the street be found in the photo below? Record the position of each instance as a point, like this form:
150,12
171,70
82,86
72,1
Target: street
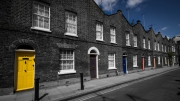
165,87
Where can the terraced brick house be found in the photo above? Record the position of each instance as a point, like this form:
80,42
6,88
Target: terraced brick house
55,40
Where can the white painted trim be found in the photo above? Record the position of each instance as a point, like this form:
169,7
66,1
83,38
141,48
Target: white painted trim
66,71
93,48
41,29
24,50
71,34
126,66
97,70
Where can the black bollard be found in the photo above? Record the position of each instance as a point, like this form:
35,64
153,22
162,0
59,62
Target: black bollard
36,91
81,79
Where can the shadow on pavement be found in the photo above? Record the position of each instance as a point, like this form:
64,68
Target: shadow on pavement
135,98
172,75
177,80
178,93
43,96
106,98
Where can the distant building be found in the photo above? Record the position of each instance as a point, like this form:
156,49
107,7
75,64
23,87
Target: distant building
55,40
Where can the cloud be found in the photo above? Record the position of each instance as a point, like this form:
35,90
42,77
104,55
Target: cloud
179,25
164,28
133,3
107,4
138,9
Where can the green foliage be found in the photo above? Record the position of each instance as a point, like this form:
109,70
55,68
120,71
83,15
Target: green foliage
170,55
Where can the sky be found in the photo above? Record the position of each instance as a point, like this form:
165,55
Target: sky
162,15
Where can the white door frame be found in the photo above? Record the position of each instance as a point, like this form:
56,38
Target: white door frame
97,53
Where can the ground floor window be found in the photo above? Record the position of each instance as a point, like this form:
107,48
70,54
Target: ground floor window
165,60
149,60
66,61
135,61
111,61
159,60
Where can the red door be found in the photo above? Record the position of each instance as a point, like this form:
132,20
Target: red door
142,63
93,66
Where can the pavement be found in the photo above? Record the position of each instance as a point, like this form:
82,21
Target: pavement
63,93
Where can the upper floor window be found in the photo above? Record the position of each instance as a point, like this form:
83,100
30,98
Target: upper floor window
154,45
71,23
135,61
158,46
113,35
127,40
135,41
111,61
41,17
149,44
173,49
144,43
99,31
162,48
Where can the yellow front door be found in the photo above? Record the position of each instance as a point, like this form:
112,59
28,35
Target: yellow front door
24,71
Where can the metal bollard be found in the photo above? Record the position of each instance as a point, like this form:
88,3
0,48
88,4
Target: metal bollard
81,79
36,91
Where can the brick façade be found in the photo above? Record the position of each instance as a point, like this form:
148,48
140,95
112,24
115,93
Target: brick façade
15,30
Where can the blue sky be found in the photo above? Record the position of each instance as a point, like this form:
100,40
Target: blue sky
162,15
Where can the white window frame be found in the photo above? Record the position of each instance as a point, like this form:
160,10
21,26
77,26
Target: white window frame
114,63
43,16
158,46
149,60
69,70
71,24
144,43
135,40
99,28
135,61
159,62
149,44
113,34
162,48
127,40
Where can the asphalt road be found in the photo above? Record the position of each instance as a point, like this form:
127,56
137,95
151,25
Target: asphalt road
165,87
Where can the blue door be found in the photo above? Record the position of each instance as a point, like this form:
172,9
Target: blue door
124,65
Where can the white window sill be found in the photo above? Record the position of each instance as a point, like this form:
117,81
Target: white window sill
71,34
149,65
99,40
135,46
113,42
128,45
112,68
135,66
66,72
41,29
